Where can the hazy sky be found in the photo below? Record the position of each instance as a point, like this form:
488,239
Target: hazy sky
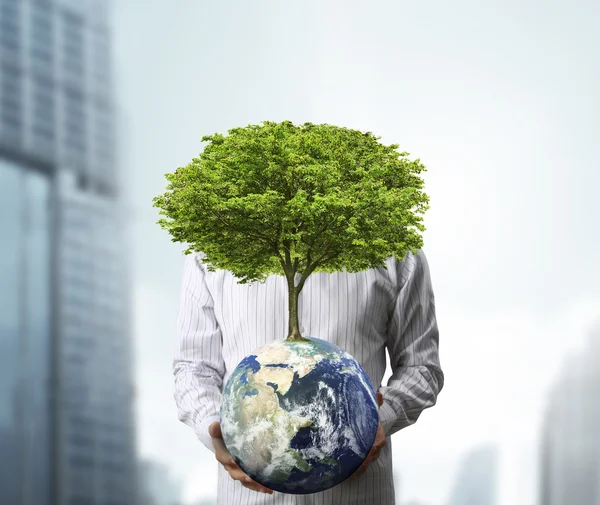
499,101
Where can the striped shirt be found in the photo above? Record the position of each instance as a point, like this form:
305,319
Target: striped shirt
220,322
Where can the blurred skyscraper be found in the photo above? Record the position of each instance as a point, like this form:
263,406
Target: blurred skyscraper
570,451
476,482
157,486
66,384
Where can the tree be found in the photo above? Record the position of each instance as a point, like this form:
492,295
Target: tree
283,199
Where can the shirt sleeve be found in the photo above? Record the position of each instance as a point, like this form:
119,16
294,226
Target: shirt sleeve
413,342
198,365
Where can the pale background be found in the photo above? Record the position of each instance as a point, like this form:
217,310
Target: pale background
499,101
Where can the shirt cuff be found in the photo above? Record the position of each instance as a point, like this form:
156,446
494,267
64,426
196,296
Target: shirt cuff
387,417
202,432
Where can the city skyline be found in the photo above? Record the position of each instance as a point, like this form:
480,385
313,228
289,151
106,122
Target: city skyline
474,92
100,98
476,479
157,485
570,464
67,426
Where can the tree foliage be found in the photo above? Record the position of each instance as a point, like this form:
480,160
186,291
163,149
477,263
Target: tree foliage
279,198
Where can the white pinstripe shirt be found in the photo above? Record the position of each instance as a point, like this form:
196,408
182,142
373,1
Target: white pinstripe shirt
220,322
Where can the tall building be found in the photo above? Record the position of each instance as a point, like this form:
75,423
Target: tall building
476,482
157,486
66,383
570,445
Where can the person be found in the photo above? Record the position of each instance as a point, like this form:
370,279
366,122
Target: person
221,321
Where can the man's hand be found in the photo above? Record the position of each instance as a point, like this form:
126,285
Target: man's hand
222,455
379,444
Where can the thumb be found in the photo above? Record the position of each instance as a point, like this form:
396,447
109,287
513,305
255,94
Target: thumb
214,430
379,398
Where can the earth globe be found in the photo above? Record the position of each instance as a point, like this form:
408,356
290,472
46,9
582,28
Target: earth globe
299,417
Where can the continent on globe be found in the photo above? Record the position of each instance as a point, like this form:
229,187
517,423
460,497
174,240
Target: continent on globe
299,416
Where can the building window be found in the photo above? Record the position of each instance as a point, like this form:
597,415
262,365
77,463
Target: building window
43,110
81,500
81,461
10,25
114,467
77,262
77,293
103,137
76,357
78,277
81,483
81,440
11,104
75,124
42,34
73,43
78,218
101,55
72,311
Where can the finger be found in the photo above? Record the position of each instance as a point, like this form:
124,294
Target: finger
257,489
221,452
372,456
218,444
255,486
214,430
377,446
237,474
361,469
226,460
223,457
357,474
379,398
375,455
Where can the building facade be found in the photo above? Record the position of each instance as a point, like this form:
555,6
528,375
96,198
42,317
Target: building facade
477,479
570,442
67,432
157,485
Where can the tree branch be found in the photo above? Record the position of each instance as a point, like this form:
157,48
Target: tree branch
311,267
263,238
288,259
319,233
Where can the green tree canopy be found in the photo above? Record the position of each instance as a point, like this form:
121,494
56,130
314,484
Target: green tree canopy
283,199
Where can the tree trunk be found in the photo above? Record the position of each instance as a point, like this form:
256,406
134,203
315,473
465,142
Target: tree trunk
294,323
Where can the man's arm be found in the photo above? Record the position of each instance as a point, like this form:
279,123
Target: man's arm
199,368
198,365
413,341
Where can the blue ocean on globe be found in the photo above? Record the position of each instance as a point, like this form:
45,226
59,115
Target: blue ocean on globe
299,417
